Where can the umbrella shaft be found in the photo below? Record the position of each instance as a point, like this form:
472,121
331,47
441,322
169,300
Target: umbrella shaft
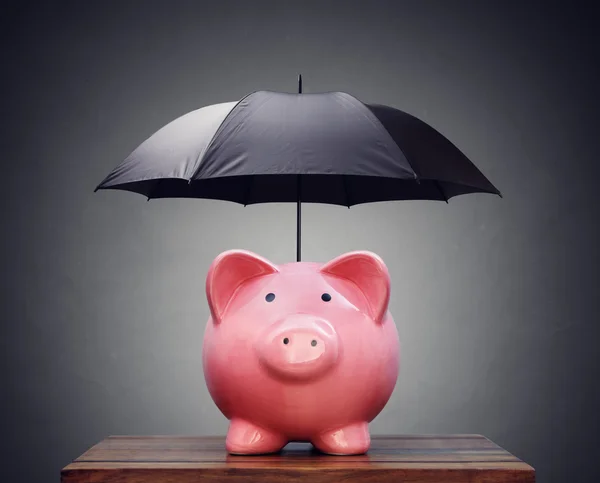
298,208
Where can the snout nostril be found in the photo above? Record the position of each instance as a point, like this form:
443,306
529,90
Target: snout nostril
286,341
313,343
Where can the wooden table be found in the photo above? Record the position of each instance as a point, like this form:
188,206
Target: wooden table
185,459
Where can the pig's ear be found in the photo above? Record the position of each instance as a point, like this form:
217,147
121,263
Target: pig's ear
227,273
368,272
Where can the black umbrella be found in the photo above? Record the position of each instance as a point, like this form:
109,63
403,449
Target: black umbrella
312,148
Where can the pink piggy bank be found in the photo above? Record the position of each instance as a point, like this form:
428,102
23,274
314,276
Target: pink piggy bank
304,352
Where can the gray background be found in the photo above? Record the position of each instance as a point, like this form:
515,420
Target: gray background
496,300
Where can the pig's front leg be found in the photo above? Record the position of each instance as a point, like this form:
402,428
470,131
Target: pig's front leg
351,439
244,437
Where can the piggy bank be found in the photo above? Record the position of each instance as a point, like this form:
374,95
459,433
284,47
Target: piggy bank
299,352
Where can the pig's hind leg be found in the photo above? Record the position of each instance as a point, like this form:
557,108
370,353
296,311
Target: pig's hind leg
349,440
245,438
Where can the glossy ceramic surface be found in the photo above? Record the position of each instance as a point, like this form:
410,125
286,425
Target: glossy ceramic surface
301,351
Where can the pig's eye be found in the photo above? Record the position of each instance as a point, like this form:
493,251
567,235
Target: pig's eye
270,297
325,297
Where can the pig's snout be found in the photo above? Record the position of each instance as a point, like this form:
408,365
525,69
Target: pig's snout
300,347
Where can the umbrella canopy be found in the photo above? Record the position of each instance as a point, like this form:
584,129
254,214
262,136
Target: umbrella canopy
283,147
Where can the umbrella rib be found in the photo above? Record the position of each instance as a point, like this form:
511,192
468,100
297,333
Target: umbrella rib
346,190
154,188
439,187
248,189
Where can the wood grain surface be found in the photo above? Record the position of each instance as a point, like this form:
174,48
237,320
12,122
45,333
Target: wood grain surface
186,459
